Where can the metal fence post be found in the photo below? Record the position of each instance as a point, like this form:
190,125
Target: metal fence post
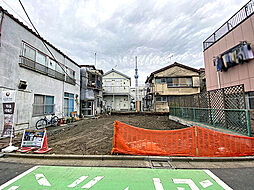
194,114
248,122
213,117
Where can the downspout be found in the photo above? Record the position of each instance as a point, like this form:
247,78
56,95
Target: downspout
218,78
1,27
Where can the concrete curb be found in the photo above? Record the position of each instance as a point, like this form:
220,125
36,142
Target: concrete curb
128,157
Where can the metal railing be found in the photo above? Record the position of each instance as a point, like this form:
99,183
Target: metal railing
236,120
245,12
37,67
70,80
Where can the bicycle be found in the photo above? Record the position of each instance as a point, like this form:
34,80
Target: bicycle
45,122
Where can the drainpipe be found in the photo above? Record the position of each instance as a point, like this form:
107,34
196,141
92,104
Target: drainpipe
1,27
218,78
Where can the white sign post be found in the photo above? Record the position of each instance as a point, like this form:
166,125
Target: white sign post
8,100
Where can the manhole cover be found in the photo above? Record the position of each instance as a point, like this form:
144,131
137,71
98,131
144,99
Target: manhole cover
161,164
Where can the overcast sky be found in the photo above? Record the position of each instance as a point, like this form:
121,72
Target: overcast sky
159,32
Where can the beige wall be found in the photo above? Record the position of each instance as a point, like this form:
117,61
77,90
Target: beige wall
161,107
239,74
176,71
162,89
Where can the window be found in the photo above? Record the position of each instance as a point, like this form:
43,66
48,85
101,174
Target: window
29,52
71,73
179,82
160,80
52,64
43,105
40,58
161,98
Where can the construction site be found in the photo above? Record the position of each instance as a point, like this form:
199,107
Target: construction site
95,136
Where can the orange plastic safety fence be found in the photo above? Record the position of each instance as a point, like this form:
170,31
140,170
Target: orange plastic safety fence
193,141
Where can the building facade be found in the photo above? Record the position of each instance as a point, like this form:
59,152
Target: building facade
138,95
228,54
91,91
173,80
43,85
116,91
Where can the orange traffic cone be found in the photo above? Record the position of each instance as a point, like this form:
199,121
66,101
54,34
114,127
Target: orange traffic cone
45,147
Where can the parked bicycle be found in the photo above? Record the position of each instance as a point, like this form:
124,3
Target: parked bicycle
45,122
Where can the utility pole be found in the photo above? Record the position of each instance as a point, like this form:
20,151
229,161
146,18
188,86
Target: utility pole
136,82
95,59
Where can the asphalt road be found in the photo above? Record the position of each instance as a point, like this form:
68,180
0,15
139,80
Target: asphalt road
236,178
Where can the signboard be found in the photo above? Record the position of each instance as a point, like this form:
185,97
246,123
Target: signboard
97,178
8,100
33,138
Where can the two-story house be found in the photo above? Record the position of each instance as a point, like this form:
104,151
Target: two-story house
116,90
91,90
173,80
44,84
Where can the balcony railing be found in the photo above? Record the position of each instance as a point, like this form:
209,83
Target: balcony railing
37,67
245,12
70,80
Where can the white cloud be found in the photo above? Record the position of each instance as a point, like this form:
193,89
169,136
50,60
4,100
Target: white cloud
159,32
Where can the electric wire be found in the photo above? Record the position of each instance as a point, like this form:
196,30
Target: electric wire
16,13
43,41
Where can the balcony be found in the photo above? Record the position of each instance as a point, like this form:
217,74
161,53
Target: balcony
37,67
70,80
245,12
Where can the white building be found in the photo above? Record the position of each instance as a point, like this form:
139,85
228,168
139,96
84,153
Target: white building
43,85
116,90
138,94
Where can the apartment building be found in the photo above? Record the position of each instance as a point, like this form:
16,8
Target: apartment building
116,90
174,80
44,85
91,91
228,54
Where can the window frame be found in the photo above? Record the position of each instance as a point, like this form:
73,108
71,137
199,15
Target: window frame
44,106
179,84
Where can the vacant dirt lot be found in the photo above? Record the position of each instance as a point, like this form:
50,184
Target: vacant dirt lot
95,136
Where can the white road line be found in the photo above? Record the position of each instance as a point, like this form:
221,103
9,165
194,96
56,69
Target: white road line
92,182
13,188
42,180
206,183
218,180
157,184
78,181
189,182
18,177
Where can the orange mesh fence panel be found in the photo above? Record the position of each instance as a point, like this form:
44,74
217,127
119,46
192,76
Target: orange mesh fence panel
138,141
216,144
192,141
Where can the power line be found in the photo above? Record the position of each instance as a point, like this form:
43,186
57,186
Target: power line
44,42
16,13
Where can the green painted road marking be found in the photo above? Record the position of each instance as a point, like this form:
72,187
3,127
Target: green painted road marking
94,178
